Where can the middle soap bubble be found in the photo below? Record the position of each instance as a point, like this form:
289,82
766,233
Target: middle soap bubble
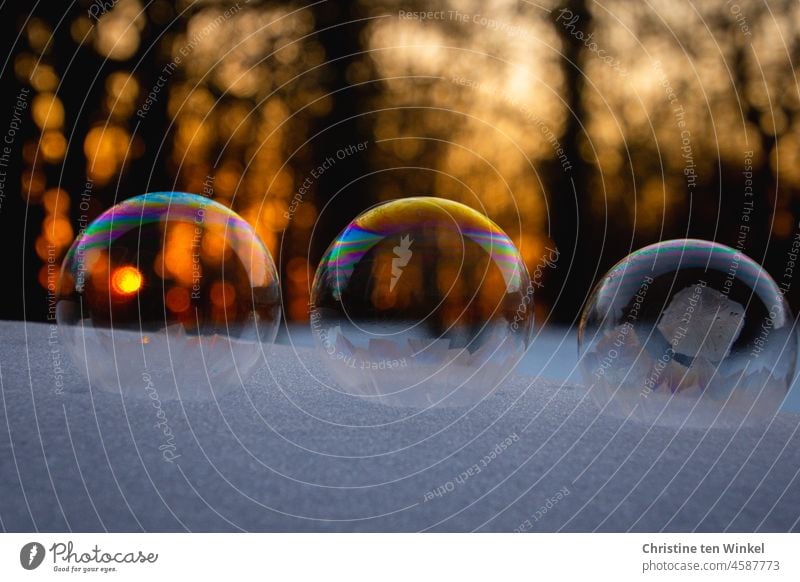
420,302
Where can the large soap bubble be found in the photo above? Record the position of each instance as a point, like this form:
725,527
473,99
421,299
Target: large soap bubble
168,295
420,302
688,333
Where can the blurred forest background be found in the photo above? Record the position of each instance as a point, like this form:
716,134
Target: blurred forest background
593,128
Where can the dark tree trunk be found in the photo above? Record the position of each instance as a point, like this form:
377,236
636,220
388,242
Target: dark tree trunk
349,122
571,223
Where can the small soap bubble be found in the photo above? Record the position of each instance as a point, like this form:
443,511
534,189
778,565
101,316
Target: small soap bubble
168,295
688,333
421,302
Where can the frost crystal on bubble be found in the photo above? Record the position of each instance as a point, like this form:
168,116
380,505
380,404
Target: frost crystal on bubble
702,322
421,302
170,290
688,333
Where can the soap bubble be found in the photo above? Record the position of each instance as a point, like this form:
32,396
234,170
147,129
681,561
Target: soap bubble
168,295
688,333
421,302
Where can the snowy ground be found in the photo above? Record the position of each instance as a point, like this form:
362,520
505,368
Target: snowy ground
553,355
287,453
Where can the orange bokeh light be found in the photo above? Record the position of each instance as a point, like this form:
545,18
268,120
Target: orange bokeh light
223,294
178,299
126,280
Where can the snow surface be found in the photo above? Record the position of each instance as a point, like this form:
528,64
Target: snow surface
288,452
